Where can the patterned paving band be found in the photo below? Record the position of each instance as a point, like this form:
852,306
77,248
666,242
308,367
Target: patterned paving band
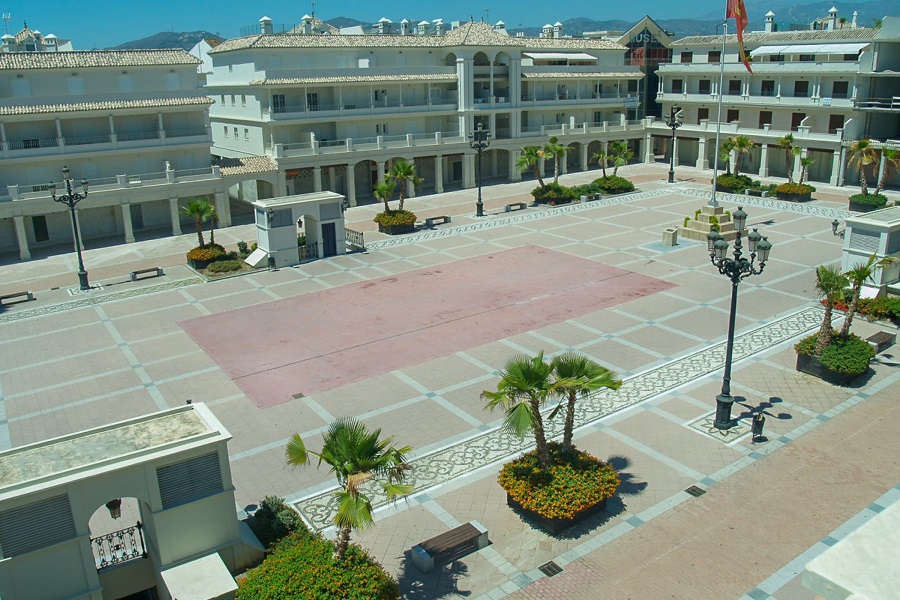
497,445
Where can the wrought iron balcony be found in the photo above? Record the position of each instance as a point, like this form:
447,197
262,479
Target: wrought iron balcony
119,546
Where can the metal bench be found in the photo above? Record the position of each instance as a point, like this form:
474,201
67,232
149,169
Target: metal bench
471,535
430,221
882,340
157,270
28,296
515,206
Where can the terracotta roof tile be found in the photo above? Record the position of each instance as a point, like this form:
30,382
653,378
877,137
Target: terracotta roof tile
246,165
32,109
95,58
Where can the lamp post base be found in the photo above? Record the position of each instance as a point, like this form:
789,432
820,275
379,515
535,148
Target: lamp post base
479,209
83,283
671,177
723,412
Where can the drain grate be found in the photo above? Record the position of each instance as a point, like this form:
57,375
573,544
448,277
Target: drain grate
298,395
550,569
695,491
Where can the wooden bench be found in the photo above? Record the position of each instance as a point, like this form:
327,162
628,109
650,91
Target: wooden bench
28,296
430,221
515,206
471,535
157,270
882,340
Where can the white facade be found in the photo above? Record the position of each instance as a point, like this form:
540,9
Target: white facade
825,87
333,111
133,123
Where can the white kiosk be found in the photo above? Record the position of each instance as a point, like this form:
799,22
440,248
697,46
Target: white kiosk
878,233
279,222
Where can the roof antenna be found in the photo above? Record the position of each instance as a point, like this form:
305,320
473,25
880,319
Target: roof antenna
6,18
312,5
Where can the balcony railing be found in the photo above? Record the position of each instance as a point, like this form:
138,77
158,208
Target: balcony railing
878,103
362,107
119,547
101,184
71,144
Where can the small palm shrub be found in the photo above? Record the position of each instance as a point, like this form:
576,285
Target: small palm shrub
614,184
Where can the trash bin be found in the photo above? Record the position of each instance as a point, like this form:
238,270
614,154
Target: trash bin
670,236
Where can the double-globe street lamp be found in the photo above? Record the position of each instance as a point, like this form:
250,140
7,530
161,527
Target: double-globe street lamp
675,120
735,269
479,140
71,199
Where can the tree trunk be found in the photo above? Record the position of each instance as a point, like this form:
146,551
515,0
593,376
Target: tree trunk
737,164
863,184
402,194
789,163
212,232
343,541
199,227
537,174
825,331
555,169
540,438
570,422
851,311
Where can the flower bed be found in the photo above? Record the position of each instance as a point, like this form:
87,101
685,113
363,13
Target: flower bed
793,192
574,488
395,222
200,256
843,360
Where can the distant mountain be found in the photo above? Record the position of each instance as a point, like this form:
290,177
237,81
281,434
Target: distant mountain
577,26
791,11
347,22
166,39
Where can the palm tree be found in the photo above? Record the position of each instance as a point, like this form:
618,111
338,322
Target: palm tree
830,286
402,173
862,154
725,153
355,456
531,159
383,191
805,164
742,145
556,150
200,210
891,160
524,387
602,159
787,142
619,153
213,219
858,276
577,375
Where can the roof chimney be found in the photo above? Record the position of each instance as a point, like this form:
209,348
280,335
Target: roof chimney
853,24
265,25
770,22
404,27
557,29
832,19
306,24
547,31
383,26
439,27
423,27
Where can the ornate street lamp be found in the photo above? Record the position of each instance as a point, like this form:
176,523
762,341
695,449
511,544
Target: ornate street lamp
834,229
479,140
675,120
70,199
735,269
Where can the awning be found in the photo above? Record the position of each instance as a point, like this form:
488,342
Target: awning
559,56
850,48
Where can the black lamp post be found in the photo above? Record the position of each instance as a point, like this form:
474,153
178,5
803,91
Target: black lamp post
735,269
70,199
479,140
675,120
834,229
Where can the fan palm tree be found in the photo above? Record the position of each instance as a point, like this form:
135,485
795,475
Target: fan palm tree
556,150
525,385
742,145
355,455
201,211
891,160
403,173
213,219
830,286
858,276
725,153
602,159
531,159
619,154
577,375
787,142
862,154
383,191
805,164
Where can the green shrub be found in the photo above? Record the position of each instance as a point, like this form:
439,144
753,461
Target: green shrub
576,481
242,247
686,221
274,520
301,240
613,184
794,189
232,255
209,252
876,200
224,266
883,308
302,566
697,214
733,183
849,355
588,189
553,193
395,218
254,247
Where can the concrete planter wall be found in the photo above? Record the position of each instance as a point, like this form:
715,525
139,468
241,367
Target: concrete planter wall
862,207
811,365
554,526
795,197
396,229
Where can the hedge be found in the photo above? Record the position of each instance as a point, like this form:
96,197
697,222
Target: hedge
613,184
849,355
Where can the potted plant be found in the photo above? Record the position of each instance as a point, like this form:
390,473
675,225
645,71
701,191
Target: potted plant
794,192
201,256
867,202
398,221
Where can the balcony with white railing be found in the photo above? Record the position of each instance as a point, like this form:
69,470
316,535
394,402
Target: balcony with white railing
786,100
103,142
787,68
99,185
766,133
878,104
550,100
350,109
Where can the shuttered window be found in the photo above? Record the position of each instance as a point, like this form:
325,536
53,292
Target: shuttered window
35,526
867,241
189,480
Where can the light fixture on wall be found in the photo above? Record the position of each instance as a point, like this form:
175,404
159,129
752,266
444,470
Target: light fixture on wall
115,508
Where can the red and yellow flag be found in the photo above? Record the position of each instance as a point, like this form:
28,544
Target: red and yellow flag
735,10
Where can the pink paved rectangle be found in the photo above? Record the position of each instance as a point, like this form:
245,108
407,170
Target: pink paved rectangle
322,340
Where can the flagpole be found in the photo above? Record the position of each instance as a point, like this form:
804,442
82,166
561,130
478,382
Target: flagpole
713,202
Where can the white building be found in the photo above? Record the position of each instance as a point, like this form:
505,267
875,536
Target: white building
133,123
826,87
333,111
31,40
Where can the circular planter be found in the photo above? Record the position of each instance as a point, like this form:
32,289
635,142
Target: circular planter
811,365
554,526
396,229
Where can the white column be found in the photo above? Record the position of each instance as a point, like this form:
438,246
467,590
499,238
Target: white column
797,161
584,157
835,168
350,169
380,166
317,178
764,160
173,213
126,223
21,237
468,170
702,161
439,174
514,173
648,150
223,209
410,188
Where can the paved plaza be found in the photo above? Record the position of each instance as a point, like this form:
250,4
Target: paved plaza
406,336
